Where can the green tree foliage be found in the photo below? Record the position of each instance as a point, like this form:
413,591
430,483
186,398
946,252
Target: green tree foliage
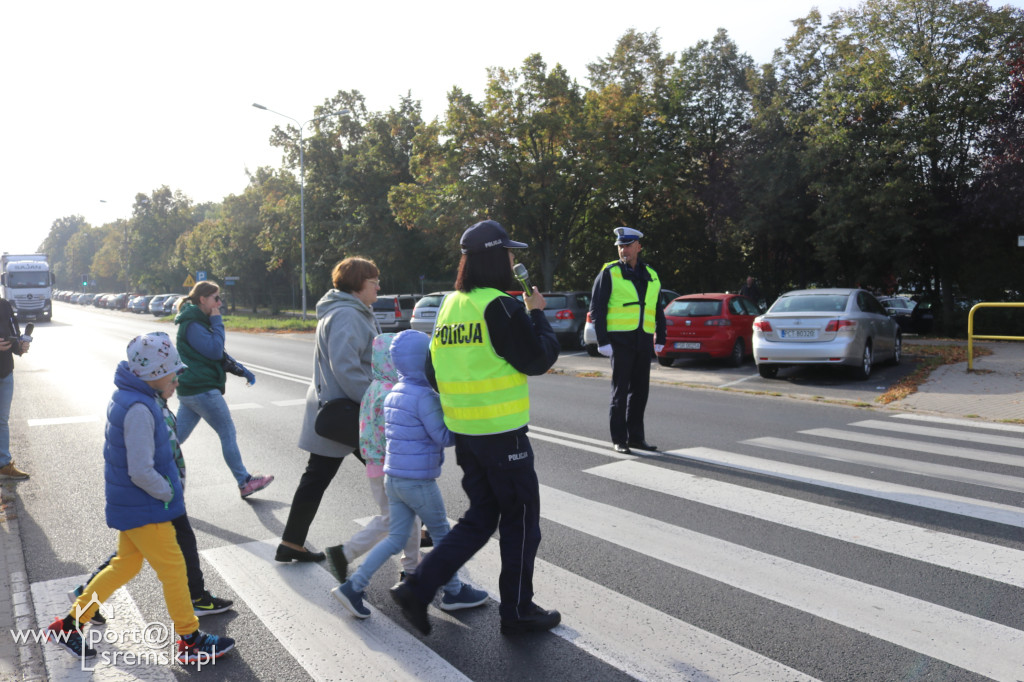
709,117
157,221
56,246
911,87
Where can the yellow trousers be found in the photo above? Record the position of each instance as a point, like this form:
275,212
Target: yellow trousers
157,543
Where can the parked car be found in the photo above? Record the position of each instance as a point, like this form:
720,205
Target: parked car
567,314
85,299
900,309
117,301
590,332
710,326
826,327
424,313
156,304
394,311
140,304
170,305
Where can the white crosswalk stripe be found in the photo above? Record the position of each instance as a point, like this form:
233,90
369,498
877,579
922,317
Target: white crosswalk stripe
644,639
950,551
910,466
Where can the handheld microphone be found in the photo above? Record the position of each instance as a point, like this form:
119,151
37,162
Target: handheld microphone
519,270
27,336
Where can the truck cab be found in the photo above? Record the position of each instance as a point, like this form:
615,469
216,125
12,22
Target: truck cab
27,284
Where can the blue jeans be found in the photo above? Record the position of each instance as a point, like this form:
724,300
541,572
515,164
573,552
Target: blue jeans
6,395
212,407
408,498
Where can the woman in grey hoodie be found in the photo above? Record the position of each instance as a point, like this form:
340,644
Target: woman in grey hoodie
341,369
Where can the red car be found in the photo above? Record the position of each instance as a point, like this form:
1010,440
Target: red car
708,326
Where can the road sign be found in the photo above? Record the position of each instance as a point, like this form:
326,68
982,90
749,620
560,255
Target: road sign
189,282
200,275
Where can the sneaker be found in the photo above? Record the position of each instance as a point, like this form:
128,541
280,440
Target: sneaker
255,483
208,604
338,562
467,598
69,640
204,647
97,618
351,600
12,473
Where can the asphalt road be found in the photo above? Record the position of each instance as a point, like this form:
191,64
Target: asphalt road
773,539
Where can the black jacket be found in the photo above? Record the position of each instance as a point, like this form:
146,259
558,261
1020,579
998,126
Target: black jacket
8,328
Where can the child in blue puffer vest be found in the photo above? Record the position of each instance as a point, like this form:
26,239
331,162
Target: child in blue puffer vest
144,496
415,437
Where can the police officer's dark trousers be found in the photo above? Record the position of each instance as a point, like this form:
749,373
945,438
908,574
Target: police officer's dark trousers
631,379
499,478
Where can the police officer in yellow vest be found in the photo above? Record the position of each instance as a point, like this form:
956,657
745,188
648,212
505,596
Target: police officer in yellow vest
630,327
485,344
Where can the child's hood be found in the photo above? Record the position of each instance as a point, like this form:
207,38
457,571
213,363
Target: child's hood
383,366
409,353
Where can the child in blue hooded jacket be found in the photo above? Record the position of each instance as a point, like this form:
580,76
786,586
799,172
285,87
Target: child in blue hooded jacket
415,437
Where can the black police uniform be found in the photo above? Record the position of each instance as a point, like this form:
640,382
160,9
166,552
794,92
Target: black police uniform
498,475
632,352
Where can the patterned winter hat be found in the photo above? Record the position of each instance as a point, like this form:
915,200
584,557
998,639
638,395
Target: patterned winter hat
152,356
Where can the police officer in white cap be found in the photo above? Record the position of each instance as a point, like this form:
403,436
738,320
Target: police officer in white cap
630,327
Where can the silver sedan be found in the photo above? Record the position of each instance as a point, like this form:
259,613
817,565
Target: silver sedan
826,327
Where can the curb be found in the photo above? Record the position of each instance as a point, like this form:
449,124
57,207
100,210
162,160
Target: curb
30,664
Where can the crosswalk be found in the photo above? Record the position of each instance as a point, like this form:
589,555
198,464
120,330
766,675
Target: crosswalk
888,548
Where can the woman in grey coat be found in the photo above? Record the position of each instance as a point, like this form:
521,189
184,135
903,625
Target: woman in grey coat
341,369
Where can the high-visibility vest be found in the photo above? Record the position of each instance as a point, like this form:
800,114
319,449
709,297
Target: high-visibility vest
624,303
481,393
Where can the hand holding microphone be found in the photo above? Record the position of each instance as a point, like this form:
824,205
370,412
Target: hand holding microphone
533,301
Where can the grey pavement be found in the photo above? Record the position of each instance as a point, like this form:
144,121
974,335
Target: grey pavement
994,391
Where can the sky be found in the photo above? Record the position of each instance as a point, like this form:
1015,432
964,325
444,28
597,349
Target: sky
106,99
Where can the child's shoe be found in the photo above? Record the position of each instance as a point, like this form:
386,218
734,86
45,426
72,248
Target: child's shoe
351,600
255,483
68,639
97,618
200,647
467,598
208,604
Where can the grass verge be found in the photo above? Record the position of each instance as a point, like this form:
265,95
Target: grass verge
263,323
928,359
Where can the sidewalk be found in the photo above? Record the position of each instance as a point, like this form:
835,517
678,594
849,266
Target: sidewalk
23,662
994,390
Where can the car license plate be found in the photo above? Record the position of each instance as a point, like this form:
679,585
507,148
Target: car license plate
798,333
686,345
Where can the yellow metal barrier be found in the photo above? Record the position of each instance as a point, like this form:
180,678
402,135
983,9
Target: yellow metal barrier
970,330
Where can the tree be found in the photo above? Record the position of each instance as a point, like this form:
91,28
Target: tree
709,112
515,158
156,223
56,246
899,132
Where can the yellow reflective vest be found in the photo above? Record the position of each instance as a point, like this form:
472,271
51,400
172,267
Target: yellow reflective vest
624,303
481,393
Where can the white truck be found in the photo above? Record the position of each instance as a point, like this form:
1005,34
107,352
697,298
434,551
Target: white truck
27,284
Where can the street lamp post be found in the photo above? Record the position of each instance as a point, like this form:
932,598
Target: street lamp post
302,187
